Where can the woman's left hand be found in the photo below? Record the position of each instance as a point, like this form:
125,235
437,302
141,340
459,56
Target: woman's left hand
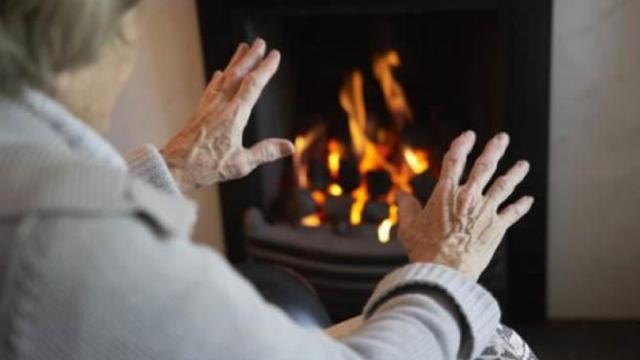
209,148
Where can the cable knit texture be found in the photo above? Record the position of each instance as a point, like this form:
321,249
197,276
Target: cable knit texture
474,303
147,163
93,266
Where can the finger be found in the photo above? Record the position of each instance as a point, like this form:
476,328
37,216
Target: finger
253,84
514,212
218,80
485,166
214,85
456,158
267,151
240,53
504,185
408,208
239,70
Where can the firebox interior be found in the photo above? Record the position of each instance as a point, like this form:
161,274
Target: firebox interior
462,64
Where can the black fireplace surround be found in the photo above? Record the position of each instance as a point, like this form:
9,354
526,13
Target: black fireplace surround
487,65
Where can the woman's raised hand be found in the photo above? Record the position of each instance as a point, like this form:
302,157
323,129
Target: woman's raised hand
209,148
461,225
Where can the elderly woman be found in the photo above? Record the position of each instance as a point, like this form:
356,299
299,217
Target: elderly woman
95,257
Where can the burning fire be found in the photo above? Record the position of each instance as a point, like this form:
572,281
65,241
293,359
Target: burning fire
373,154
383,66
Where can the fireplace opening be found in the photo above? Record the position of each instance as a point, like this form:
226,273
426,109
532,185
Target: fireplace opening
372,97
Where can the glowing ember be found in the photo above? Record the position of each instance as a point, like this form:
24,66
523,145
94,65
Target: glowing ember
312,220
384,229
335,190
318,197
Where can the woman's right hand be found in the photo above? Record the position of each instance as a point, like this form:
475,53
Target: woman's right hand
461,227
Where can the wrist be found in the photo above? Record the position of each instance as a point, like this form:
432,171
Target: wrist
176,168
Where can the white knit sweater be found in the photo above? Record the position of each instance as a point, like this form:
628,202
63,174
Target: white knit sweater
90,267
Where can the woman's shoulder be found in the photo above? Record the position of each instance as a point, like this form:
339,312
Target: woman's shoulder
41,180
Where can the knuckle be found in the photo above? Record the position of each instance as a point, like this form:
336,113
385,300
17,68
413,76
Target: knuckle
485,167
251,81
235,74
518,211
503,184
452,159
466,194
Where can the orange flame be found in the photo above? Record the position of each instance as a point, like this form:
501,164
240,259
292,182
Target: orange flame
352,101
301,144
360,197
417,160
377,153
393,92
333,159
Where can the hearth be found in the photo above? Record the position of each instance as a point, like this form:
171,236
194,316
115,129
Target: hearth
372,93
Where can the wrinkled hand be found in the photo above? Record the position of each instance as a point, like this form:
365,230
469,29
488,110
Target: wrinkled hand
461,227
209,148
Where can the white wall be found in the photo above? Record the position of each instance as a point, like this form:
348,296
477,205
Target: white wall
163,92
594,225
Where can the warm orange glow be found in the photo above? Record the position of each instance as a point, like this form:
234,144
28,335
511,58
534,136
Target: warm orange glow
374,148
416,159
335,190
352,101
394,96
312,220
301,144
360,197
318,197
351,98
384,229
333,158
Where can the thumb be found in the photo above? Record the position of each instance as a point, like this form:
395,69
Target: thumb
408,208
268,150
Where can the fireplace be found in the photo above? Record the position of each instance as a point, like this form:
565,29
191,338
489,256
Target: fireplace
372,93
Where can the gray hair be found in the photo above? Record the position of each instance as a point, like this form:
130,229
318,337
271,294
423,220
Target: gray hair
42,38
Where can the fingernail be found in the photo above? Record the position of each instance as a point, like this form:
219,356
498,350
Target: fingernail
274,54
523,163
259,42
530,199
468,133
242,46
502,137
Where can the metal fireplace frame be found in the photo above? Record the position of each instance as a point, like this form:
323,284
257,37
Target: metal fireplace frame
527,36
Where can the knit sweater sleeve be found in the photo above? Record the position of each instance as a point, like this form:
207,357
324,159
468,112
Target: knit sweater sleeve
147,164
420,311
173,299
